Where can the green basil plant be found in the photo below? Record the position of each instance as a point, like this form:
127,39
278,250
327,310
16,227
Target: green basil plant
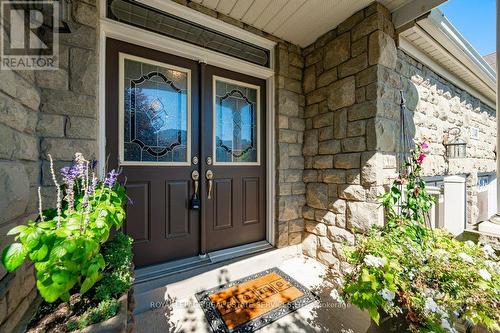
65,242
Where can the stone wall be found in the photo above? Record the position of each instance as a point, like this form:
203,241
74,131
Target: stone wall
290,101
43,112
436,105
352,120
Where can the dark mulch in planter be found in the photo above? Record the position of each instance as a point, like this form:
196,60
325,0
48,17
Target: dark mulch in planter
52,317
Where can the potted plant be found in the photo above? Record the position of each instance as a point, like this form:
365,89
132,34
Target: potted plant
422,278
79,275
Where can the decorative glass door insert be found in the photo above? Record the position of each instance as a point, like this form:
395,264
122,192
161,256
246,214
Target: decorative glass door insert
155,112
236,122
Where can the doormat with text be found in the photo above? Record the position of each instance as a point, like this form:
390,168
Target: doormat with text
250,303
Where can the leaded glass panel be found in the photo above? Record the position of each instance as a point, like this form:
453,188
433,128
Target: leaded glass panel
145,17
236,123
155,113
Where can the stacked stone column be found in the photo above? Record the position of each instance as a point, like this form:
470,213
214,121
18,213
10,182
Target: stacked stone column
290,101
352,123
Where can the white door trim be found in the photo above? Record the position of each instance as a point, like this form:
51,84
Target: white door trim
133,35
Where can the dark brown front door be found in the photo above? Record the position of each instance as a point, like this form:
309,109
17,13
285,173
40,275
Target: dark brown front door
167,117
234,132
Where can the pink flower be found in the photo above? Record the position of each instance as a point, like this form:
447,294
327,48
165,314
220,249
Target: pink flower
420,158
424,145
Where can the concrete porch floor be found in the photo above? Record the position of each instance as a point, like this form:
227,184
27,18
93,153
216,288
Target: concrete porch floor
174,308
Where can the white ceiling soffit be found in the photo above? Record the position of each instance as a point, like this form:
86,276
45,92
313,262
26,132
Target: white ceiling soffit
436,39
300,22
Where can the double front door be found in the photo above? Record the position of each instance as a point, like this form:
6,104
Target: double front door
190,141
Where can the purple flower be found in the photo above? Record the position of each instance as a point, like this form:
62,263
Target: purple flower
92,185
111,178
94,164
69,175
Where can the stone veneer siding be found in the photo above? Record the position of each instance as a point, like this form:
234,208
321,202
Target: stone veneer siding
437,105
352,122
43,112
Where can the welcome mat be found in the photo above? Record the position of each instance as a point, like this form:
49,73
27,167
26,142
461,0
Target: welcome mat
248,304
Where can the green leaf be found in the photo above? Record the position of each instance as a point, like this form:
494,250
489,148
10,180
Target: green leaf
69,245
13,256
63,232
374,314
365,275
42,266
60,277
46,224
58,252
89,282
41,253
49,293
17,230
33,239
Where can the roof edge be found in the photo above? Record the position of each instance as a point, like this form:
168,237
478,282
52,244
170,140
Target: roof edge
440,21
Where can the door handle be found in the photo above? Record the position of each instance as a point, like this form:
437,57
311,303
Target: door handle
210,176
195,200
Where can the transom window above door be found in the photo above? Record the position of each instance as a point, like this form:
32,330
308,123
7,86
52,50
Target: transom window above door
154,111
236,122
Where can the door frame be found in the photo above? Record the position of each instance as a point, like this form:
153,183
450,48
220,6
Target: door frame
127,33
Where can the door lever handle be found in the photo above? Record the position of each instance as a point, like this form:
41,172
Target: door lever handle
210,176
195,200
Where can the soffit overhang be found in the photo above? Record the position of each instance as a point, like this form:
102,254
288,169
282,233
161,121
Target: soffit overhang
435,41
299,22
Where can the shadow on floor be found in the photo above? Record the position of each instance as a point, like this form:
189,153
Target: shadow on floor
326,315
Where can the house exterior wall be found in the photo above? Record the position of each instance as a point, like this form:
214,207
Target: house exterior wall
43,112
435,106
336,132
352,114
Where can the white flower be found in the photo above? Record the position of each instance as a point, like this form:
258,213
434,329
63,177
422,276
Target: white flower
488,250
465,257
495,266
485,274
431,306
469,243
387,294
374,261
445,324
336,296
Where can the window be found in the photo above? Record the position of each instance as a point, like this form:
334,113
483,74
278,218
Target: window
236,122
154,112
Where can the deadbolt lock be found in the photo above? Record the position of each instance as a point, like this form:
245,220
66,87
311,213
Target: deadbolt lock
195,160
209,160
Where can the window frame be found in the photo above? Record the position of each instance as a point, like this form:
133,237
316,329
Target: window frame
121,112
216,78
